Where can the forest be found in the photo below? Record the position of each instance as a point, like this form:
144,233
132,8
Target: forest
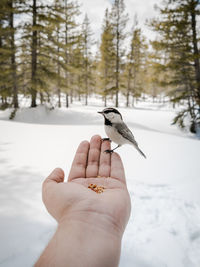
47,52
61,63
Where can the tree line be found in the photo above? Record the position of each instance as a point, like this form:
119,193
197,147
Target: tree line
45,52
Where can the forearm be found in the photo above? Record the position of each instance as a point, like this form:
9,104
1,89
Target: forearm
81,244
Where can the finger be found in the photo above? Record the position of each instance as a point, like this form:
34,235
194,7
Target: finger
93,157
79,164
57,176
117,168
104,164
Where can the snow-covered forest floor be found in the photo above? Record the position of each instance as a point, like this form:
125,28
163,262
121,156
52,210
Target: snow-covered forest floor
164,228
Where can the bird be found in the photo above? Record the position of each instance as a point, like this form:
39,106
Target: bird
117,131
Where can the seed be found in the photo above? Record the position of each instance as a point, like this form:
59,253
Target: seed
97,189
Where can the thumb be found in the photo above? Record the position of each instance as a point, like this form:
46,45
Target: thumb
49,194
57,176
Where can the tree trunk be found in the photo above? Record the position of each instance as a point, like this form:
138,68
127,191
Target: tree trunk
86,85
66,52
117,99
195,46
130,75
86,81
117,62
41,98
86,99
127,99
128,88
13,59
48,97
117,77
105,101
59,99
71,96
133,99
34,57
58,66
67,100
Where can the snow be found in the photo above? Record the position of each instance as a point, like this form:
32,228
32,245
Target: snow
164,227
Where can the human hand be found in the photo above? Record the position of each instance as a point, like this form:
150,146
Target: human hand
74,201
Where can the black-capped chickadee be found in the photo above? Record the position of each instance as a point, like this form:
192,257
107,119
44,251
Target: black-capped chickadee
116,129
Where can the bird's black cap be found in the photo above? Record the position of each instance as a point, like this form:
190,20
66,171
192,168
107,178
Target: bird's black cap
108,110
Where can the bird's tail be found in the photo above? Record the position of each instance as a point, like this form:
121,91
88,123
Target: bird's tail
140,151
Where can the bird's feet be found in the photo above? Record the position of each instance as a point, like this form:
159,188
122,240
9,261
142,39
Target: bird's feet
106,139
109,151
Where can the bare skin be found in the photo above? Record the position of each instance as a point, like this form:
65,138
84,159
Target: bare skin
90,225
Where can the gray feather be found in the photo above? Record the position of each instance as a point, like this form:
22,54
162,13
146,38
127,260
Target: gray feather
127,134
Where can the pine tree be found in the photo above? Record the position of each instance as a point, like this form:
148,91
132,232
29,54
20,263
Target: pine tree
87,62
13,54
119,20
33,41
179,41
136,64
158,75
43,50
34,47
4,53
48,52
8,50
58,10
107,58
78,66
71,11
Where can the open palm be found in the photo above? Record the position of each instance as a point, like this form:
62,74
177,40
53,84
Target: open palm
73,200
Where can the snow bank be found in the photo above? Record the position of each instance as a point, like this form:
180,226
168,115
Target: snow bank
164,228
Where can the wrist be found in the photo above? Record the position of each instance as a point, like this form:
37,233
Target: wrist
90,244
91,220
82,243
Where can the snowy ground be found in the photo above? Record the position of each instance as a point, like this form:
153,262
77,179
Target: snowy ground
164,228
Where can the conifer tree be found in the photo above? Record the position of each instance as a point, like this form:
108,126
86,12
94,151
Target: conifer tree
78,65
71,11
34,47
57,27
8,50
35,38
158,75
44,48
107,58
179,41
4,53
13,53
119,20
136,64
87,62
58,65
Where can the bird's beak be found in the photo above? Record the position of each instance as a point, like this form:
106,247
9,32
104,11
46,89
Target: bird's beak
100,112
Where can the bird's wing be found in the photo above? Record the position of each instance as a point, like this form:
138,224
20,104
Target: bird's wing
126,133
